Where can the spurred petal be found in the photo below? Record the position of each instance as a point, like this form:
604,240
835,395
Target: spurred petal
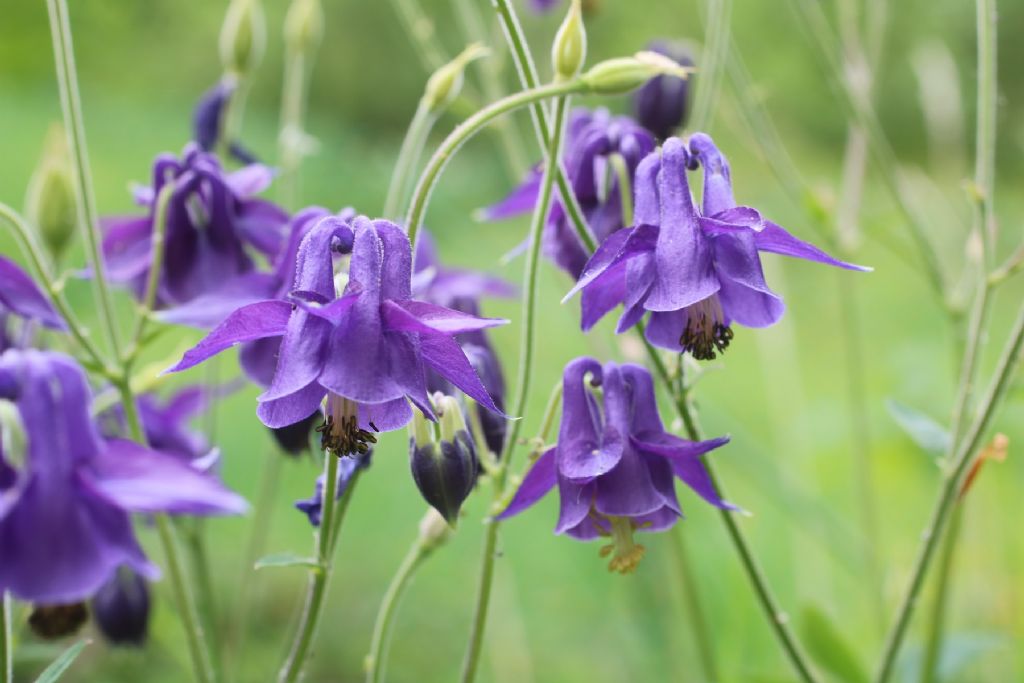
18,293
717,182
425,318
142,480
255,321
538,481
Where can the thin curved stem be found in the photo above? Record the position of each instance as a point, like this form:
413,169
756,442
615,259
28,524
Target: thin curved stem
466,130
777,618
6,641
937,617
526,349
408,158
529,79
88,218
377,658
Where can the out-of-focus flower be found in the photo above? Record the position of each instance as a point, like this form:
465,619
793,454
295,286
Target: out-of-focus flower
662,104
208,121
213,219
50,199
444,470
592,138
64,516
121,608
20,296
615,464
368,347
461,290
696,274
348,465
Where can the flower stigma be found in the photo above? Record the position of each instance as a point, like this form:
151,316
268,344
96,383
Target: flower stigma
340,432
705,331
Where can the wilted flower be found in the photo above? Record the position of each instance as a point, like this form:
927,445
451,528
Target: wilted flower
64,517
697,274
445,468
592,138
213,219
121,608
368,346
614,463
20,296
662,104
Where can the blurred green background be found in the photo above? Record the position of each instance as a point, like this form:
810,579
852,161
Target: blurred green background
784,394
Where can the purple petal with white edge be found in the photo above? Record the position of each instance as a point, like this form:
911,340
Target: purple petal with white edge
18,293
255,321
683,254
141,480
620,246
541,478
520,201
385,417
685,457
250,180
425,318
292,408
210,308
777,240
449,360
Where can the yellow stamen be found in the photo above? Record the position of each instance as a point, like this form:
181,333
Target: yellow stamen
626,554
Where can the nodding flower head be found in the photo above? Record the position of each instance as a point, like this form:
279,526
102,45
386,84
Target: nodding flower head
614,464
662,104
444,460
697,272
593,138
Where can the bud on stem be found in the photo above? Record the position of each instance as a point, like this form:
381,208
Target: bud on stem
569,51
443,460
446,83
243,37
50,200
621,75
303,25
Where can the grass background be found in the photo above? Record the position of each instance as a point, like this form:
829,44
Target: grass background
782,393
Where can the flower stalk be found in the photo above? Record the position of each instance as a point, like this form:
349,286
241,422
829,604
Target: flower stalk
6,644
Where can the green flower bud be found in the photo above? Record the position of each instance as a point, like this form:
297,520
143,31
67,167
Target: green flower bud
243,37
569,50
50,200
446,83
304,25
621,75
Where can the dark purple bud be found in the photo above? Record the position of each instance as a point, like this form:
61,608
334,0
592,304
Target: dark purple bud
241,154
57,621
294,439
445,471
207,119
662,104
121,608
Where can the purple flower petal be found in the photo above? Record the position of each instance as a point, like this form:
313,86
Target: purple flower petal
424,318
211,308
249,180
255,321
685,457
449,360
18,293
522,200
775,239
290,408
536,484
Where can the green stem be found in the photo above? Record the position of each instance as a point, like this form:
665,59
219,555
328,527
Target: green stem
948,495
529,79
88,218
937,620
319,578
6,640
408,158
526,349
233,115
466,130
715,54
26,238
377,658
777,618
293,103
421,29
156,265
199,559
701,634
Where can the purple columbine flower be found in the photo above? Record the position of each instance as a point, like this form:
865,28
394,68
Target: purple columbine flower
20,296
64,517
461,290
213,221
615,464
661,105
370,346
696,273
592,138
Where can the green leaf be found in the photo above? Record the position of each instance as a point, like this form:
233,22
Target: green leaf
825,643
61,664
288,560
932,437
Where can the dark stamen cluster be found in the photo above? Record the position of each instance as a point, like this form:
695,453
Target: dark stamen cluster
344,437
702,340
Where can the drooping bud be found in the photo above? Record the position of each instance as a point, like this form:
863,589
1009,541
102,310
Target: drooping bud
121,608
446,83
569,51
434,531
50,622
443,460
243,37
661,105
50,200
304,25
294,439
624,74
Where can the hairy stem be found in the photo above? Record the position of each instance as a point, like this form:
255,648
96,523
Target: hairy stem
377,658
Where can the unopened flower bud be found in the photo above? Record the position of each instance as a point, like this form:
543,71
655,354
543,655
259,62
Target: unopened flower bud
661,104
50,201
434,531
569,50
121,608
624,74
303,26
446,83
294,439
243,36
444,469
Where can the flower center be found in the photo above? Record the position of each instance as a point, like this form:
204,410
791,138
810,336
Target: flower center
626,553
57,621
340,432
705,331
